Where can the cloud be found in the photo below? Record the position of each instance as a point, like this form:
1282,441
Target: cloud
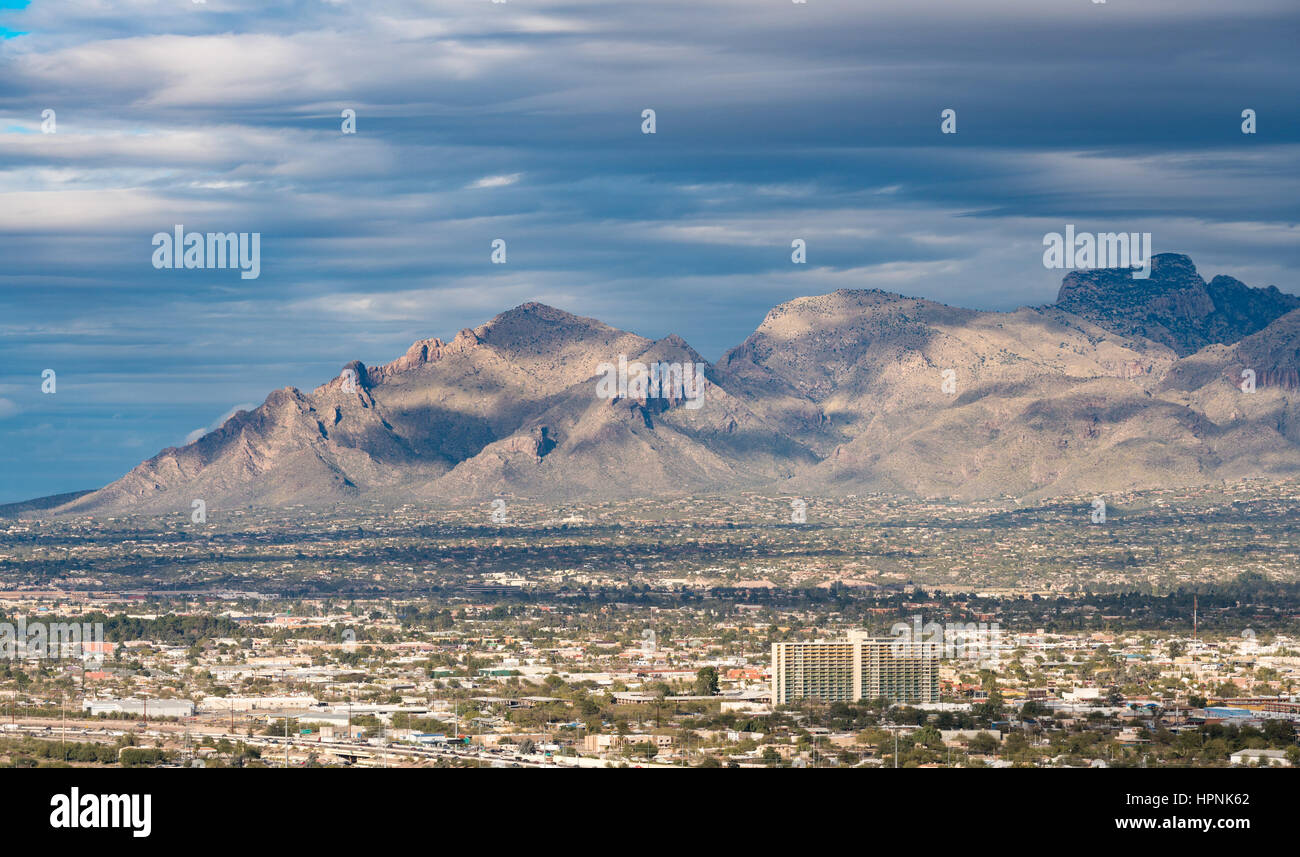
775,121
200,432
495,181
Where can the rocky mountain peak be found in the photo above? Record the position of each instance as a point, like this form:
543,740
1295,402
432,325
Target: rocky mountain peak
1174,305
1173,269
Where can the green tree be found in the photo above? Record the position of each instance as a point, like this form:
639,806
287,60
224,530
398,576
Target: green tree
706,682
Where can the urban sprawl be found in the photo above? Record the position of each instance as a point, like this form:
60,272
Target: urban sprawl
866,632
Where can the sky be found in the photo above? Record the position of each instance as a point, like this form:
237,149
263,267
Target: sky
522,120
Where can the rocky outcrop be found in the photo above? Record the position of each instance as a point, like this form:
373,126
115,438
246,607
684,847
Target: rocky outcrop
1173,306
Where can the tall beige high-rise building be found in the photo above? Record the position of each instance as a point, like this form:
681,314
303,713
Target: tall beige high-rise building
858,668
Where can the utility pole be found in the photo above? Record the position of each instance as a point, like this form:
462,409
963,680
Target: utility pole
895,747
286,740
63,730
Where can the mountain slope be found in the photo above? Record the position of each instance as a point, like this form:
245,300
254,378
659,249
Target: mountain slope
1123,384
479,416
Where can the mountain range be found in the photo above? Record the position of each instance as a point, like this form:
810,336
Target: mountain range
1123,383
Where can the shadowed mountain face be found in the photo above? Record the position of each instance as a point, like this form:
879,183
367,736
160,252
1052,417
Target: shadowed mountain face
1123,384
1173,306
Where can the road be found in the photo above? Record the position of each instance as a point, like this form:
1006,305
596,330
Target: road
107,732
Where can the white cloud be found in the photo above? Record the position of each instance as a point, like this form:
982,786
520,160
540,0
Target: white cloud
200,432
496,181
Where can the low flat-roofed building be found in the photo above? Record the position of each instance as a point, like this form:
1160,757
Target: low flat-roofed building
254,703
1272,758
139,707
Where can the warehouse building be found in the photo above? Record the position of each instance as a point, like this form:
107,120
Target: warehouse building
139,707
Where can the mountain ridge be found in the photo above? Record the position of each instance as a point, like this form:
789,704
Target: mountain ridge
1121,384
